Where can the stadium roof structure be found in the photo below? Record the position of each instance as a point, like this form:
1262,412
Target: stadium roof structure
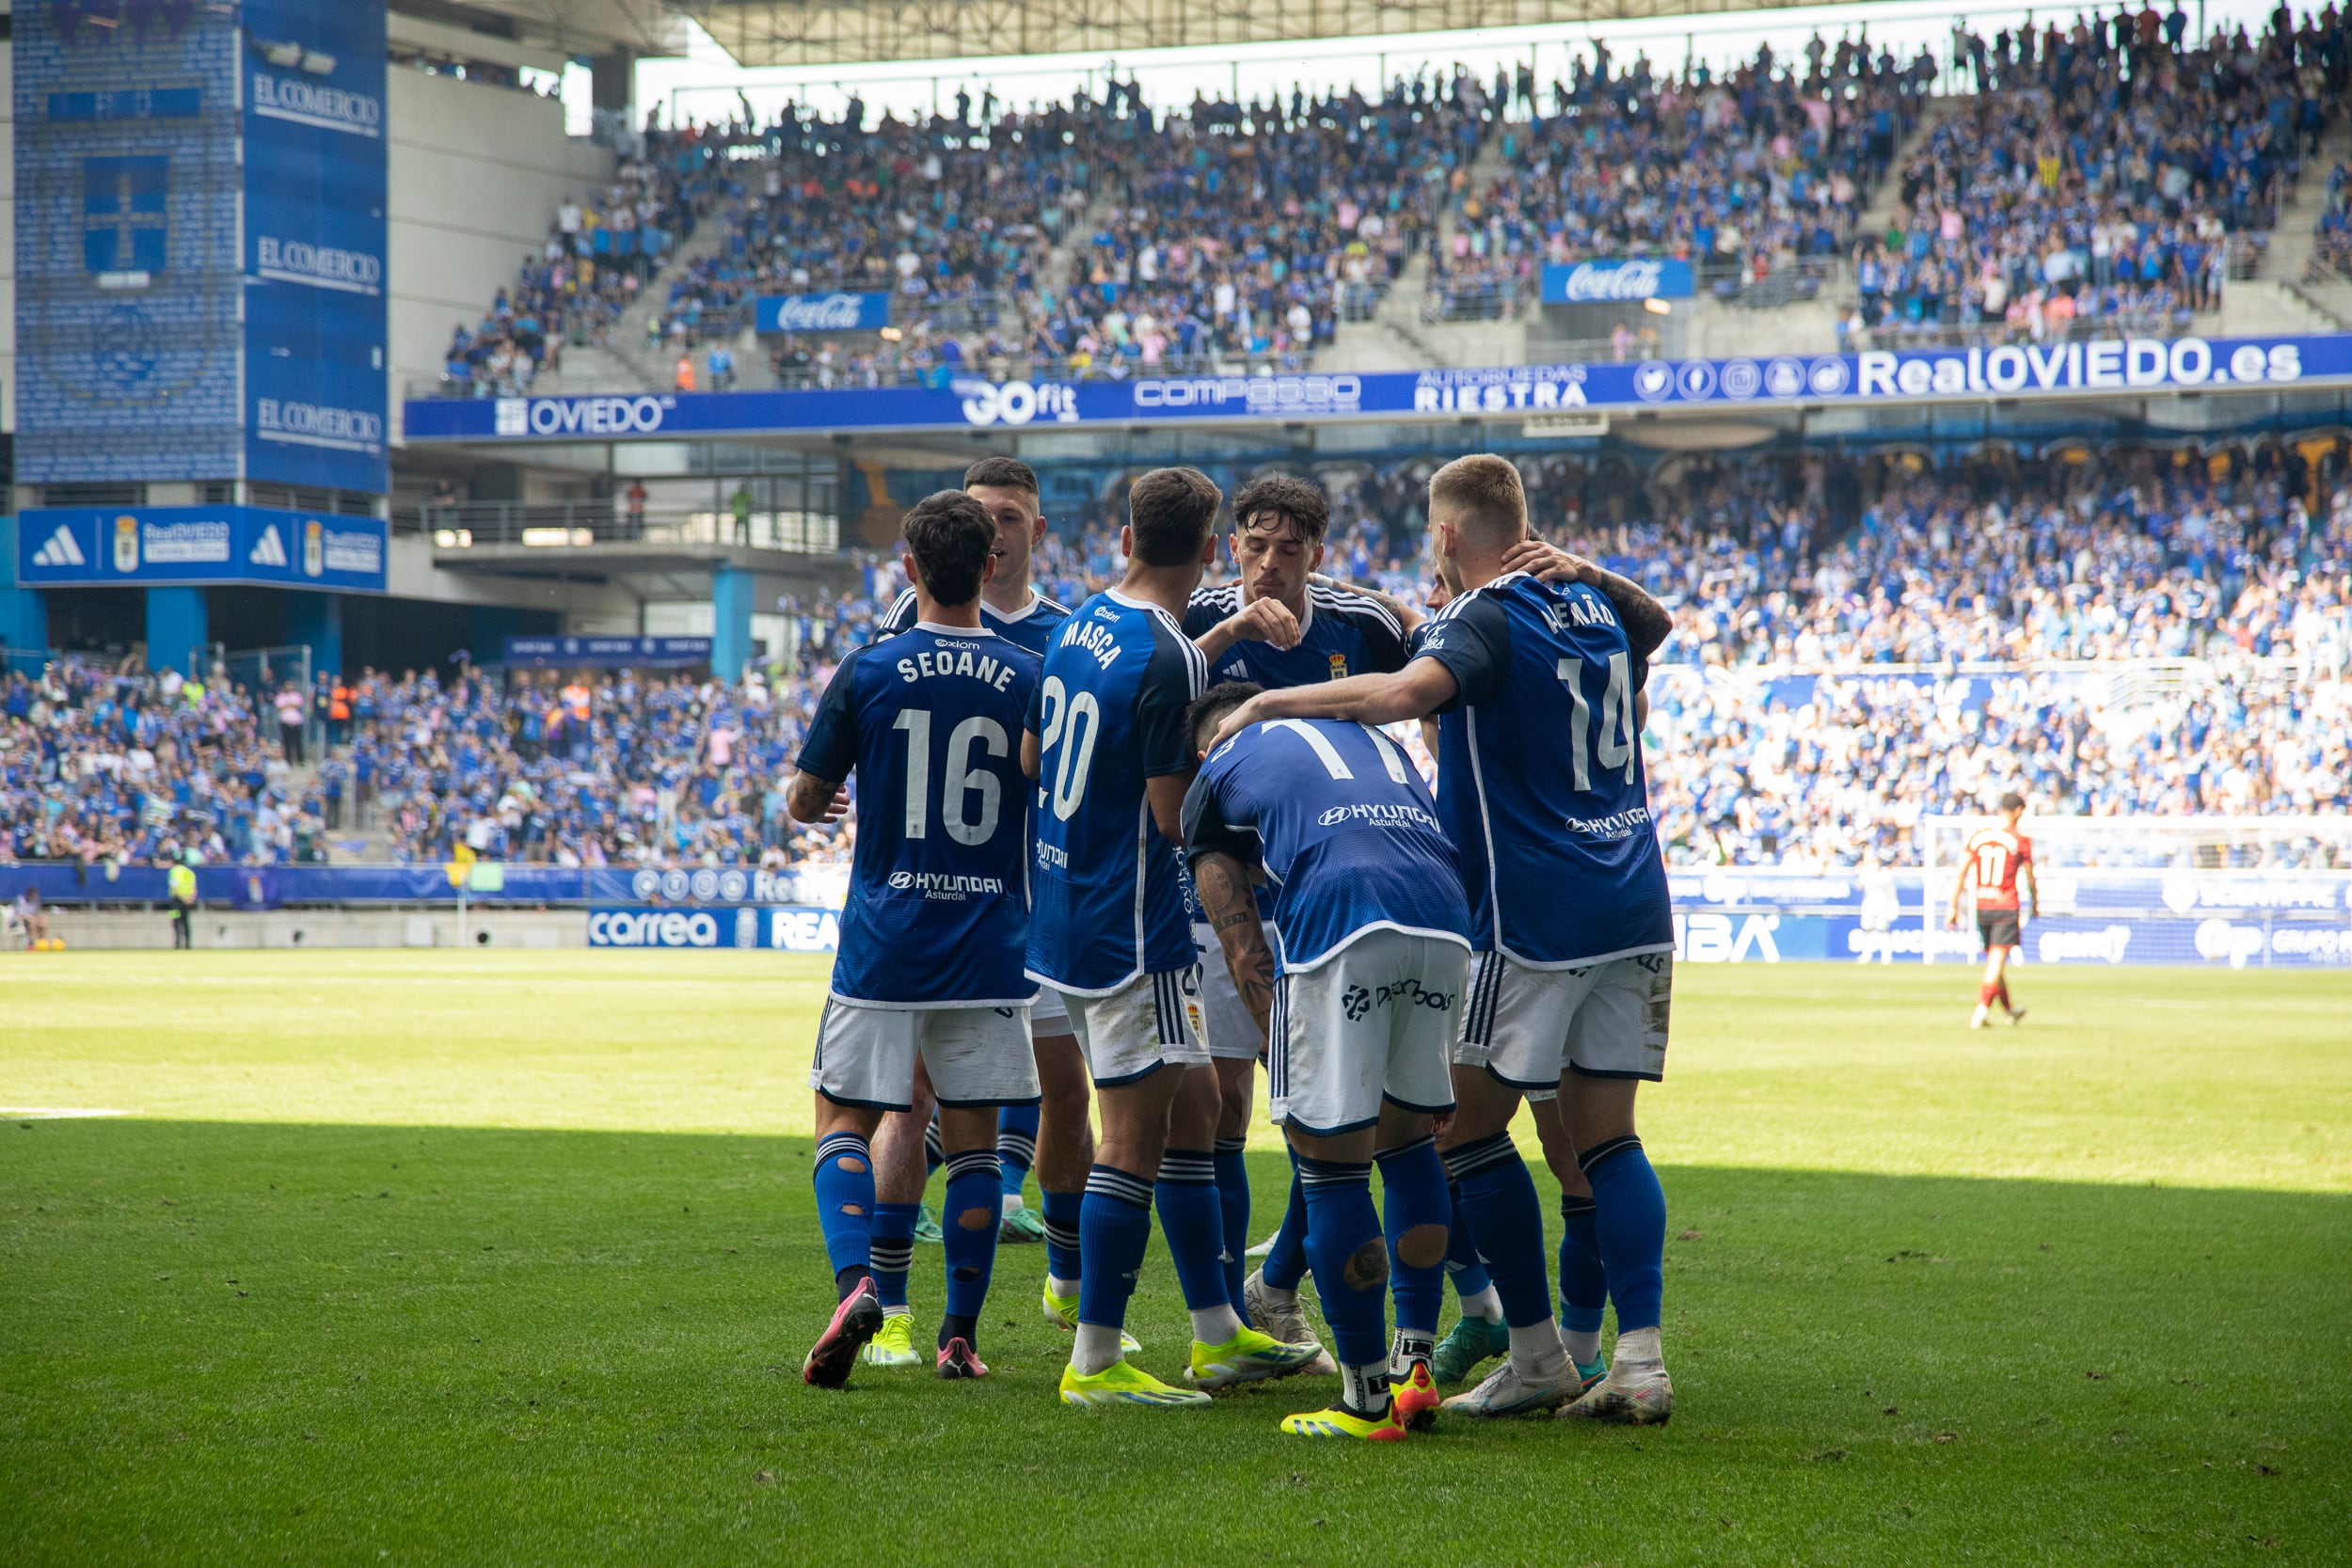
529,28
840,32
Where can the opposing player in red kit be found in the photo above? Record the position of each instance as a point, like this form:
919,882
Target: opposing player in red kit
1997,862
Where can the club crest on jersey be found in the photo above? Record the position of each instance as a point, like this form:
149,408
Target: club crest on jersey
1338,667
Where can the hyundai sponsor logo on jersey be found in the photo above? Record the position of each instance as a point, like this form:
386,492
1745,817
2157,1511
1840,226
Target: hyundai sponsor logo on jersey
2103,366
1611,282
834,312
91,545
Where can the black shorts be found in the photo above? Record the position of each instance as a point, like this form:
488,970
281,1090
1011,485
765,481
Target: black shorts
1998,928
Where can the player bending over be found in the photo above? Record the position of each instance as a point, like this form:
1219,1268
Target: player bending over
1998,863
1105,741
1055,1134
930,969
1358,1001
1541,789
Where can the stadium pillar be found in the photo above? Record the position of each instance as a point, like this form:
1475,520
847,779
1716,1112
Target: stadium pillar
730,621
316,622
23,614
178,629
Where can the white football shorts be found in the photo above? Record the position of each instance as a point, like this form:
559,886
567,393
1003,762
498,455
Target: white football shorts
1233,1033
975,1055
1371,1022
1151,1022
1047,1016
1527,1026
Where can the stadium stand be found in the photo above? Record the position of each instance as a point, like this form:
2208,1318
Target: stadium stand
2130,632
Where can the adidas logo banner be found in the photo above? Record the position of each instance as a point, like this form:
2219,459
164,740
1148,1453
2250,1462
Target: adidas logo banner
269,549
61,549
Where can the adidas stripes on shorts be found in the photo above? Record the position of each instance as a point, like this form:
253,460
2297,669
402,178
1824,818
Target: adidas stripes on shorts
1151,1022
975,1055
1527,1026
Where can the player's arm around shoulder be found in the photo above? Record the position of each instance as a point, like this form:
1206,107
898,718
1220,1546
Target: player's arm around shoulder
829,754
1422,687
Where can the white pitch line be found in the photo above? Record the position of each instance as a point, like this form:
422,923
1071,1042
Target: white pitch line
59,1113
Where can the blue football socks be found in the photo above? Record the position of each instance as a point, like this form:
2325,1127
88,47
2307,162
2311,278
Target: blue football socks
894,1251
1350,1258
1062,1216
1630,1226
1016,1146
1498,1197
1193,1223
843,1177
1233,1197
1286,1264
1114,1227
1412,1194
1584,1280
973,1190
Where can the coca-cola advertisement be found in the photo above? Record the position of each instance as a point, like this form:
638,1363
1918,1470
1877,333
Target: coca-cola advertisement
1625,281
835,312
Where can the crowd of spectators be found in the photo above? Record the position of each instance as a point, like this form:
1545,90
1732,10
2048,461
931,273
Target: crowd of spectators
2102,175
1888,584
1743,171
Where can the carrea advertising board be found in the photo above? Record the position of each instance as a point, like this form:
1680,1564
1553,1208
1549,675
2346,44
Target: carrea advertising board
791,931
1922,377
1615,282
129,546
835,312
315,399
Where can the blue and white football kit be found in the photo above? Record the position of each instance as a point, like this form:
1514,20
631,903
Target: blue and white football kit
1031,628
1373,943
1541,787
1106,921
1344,633
933,938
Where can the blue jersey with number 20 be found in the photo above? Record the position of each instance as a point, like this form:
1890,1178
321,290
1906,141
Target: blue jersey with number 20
1109,715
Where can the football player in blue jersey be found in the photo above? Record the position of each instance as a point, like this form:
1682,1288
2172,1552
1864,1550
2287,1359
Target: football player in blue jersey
1536,688
932,940
1055,1134
1275,625
1370,959
1106,743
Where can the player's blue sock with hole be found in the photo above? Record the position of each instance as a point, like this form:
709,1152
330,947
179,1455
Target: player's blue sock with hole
1233,1197
1114,1227
1016,1147
1629,1224
1462,1263
1195,1230
1498,1196
1412,1194
894,1251
969,1218
934,1152
1062,1218
1350,1261
1584,1280
843,1177
1286,1264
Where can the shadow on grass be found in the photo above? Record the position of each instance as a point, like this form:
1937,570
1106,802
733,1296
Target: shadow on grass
238,1341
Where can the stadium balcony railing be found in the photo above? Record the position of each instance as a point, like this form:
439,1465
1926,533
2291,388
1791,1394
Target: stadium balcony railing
610,520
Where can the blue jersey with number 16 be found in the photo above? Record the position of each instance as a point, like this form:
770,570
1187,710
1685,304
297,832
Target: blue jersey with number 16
930,722
1104,905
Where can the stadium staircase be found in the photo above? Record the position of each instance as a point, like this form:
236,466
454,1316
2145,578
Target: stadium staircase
2299,293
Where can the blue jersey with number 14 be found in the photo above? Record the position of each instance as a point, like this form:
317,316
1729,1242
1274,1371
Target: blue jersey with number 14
930,721
1104,906
1540,780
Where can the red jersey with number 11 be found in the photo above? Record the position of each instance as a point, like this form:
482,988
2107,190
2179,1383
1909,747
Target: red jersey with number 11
1994,855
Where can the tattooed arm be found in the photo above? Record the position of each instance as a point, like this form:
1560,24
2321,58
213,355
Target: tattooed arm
1223,886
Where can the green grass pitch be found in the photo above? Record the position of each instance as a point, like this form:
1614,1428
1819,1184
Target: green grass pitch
467,1258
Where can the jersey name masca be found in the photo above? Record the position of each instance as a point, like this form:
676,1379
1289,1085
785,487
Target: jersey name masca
930,721
1540,781
1109,715
1344,828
